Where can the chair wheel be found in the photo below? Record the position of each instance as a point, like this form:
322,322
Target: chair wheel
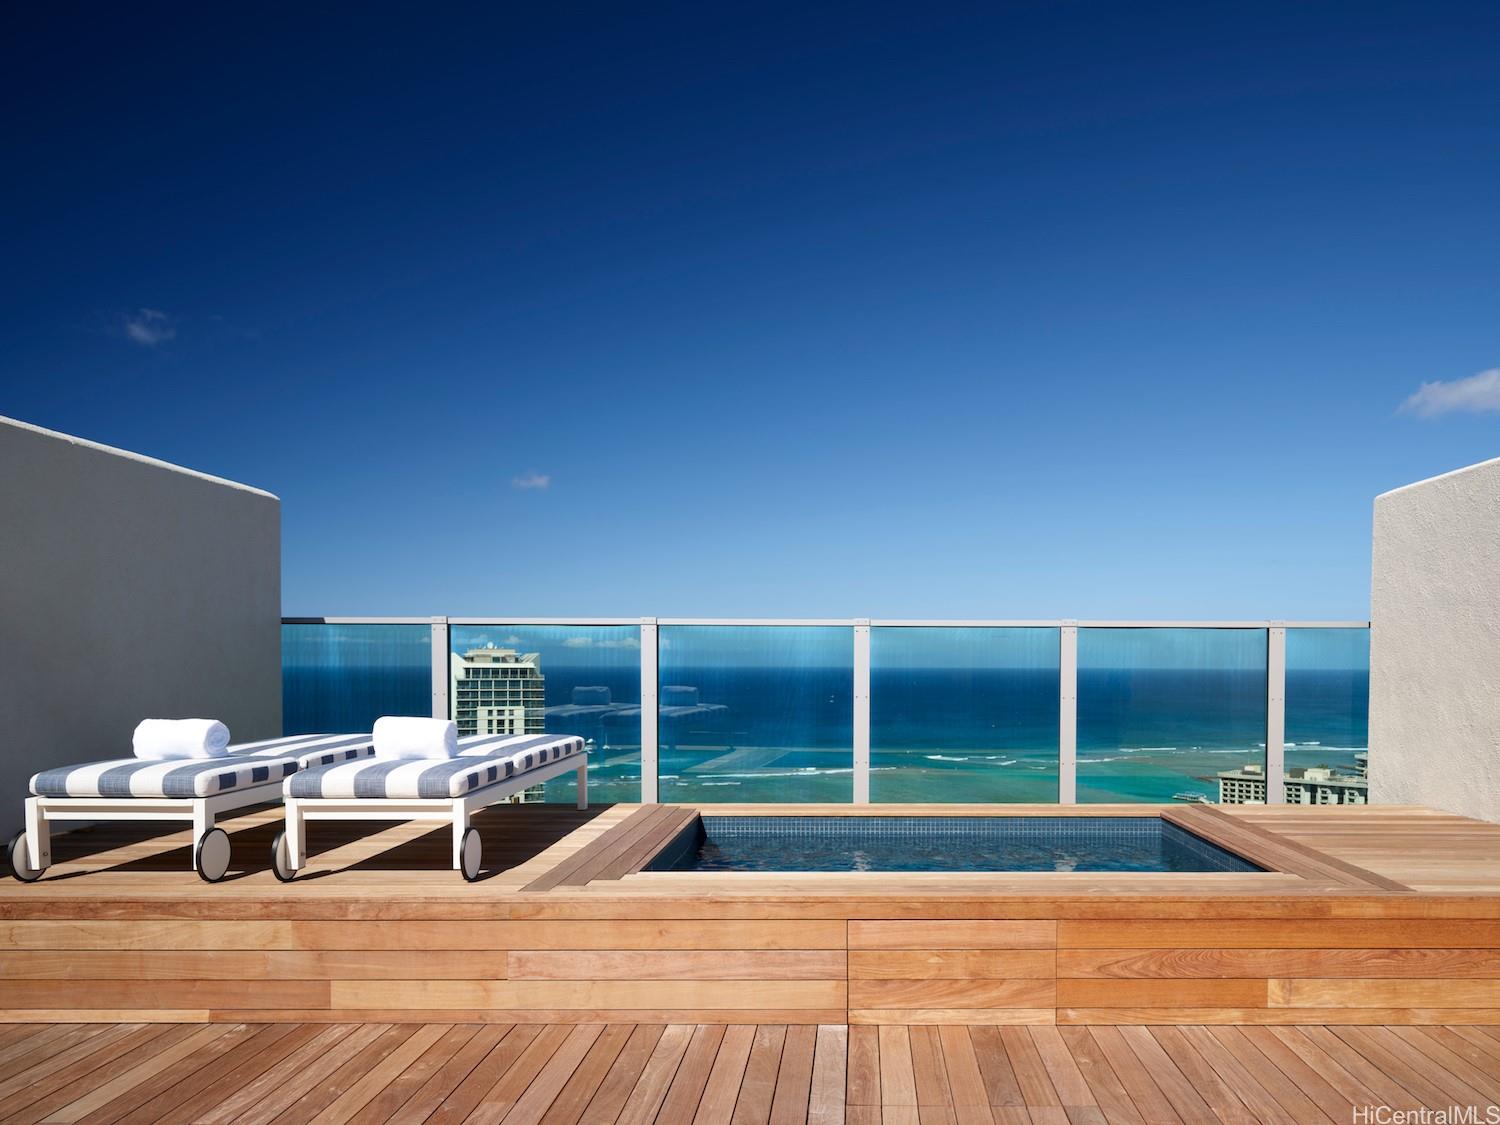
20,859
212,855
281,858
471,854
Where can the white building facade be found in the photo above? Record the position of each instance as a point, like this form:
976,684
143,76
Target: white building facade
497,691
1315,785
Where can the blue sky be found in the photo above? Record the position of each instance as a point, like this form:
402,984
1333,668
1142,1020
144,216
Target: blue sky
1019,310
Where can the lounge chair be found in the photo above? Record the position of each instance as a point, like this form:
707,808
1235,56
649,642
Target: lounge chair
488,769
193,789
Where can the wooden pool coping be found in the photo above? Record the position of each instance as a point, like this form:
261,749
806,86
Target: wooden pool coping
629,845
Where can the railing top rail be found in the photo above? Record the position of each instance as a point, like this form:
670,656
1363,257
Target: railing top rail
846,622
356,620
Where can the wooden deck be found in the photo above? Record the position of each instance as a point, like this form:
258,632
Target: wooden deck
1371,916
524,1074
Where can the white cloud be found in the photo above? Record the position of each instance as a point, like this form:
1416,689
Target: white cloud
149,327
589,642
479,640
532,480
1478,394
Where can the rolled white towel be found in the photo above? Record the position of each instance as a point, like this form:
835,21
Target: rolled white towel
401,736
158,740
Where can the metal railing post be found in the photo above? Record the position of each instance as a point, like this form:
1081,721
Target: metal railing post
862,712
1067,716
649,717
1276,714
440,664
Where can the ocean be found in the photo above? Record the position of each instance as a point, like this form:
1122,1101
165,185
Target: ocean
946,735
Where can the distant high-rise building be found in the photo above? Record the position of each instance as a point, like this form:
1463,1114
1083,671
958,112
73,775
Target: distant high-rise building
1315,785
497,691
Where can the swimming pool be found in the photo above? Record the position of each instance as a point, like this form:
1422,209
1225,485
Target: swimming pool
942,843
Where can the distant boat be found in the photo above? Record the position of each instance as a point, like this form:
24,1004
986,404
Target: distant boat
1196,798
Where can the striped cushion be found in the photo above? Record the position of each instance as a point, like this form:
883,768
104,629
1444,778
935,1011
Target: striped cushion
177,777
498,745
539,750
405,778
429,779
310,749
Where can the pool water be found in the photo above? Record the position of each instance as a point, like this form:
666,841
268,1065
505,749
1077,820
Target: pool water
942,843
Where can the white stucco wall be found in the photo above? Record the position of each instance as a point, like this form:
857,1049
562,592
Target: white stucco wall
1435,644
129,588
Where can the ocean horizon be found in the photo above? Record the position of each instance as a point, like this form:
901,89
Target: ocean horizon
937,734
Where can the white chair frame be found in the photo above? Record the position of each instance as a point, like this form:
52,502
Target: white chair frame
456,810
201,811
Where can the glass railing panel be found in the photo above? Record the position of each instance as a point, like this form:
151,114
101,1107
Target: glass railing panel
338,678
1171,714
1327,715
756,713
555,679
963,715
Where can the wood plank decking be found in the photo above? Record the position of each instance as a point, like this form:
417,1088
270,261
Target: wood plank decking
717,1074
1374,916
